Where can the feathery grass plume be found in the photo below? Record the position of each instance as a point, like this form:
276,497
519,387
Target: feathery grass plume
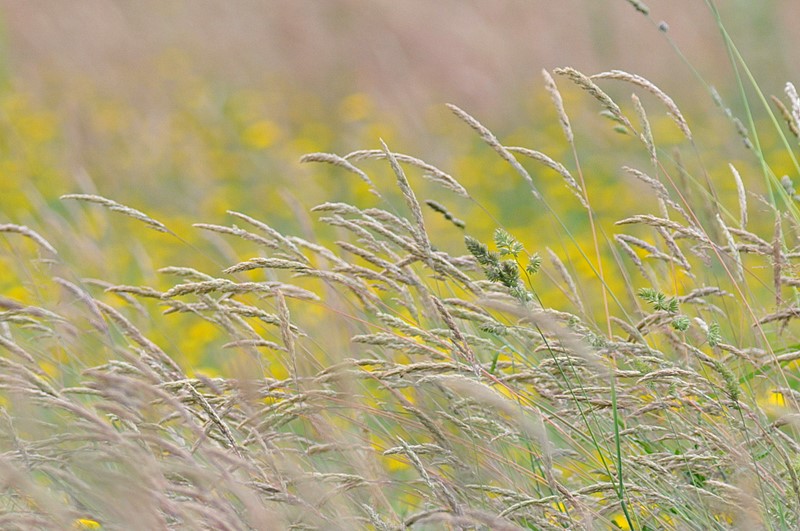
97,319
674,249
164,364
647,133
572,288
672,108
585,83
236,231
272,233
559,168
430,172
12,347
640,7
787,116
420,234
741,195
266,263
488,137
558,102
441,209
342,162
30,233
122,209
458,338
791,93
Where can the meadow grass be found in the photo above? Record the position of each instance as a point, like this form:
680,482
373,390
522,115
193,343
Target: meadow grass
382,374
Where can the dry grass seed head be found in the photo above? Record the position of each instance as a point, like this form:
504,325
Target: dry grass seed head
672,108
488,137
558,102
585,83
117,207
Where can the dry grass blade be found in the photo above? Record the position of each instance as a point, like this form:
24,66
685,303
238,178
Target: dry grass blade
672,108
32,234
122,209
495,144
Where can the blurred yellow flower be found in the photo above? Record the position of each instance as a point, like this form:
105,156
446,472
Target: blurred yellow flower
261,134
355,107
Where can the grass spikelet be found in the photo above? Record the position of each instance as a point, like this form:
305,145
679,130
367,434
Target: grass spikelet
266,263
420,234
597,93
572,288
647,133
787,116
672,108
29,233
269,231
741,195
122,209
97,318
640,7
430,172
488,137
441,209
794,100
558,102
572,184
235,231
336,160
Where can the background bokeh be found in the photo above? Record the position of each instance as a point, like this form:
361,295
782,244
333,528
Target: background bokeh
187,109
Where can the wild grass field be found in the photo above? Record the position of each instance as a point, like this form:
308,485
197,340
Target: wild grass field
224,307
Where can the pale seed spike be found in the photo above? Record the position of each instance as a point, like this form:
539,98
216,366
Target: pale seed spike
572,288
787,116
495,144
558,102
430,172
740,191
589,86
647,133
572,184
122,209
336,160
30,233
420,234
791,93
672,108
